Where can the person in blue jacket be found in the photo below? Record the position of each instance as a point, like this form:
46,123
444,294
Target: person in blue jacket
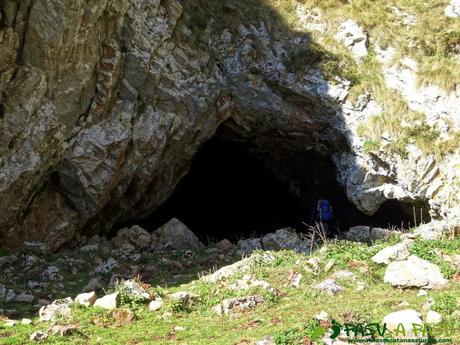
325,216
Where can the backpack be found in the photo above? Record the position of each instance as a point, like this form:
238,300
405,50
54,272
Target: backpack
325,210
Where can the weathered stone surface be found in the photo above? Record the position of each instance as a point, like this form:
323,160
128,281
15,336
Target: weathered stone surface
86,299
453,9
328,286
414,272
281,239
228,271
57,309
238,304
247,246
354,38
110,301
360,233
103,104
397,252
136,236
407,318
176,235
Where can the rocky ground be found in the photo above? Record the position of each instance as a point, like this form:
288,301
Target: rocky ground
284,288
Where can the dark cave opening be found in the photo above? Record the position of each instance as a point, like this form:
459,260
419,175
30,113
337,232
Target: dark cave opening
230,193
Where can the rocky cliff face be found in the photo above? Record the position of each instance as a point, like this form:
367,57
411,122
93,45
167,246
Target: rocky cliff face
104,103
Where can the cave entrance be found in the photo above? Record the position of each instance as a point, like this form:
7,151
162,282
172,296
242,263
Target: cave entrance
232,193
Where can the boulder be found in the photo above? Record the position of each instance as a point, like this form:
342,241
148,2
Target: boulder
228,271
185,298
247,246
359,233
86,299
407,318
397,252
433,318
59,308
38,336
135,236
107,266
285,238
176,235
133,289
238,304
156,304
438,228
414,272
225,246
110,301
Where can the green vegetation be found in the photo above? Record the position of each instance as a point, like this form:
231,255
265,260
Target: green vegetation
288,317
432,250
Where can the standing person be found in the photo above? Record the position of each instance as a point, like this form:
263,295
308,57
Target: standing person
325,216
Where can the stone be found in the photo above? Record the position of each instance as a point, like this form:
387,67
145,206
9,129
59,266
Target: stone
110,301
328,286
380,234
93,284
57,309
433,318
344,275
38,336
225,246
63,330
359,233
185,298
24,298
136,236
90,248
295,280
313,265
134,289
322,316
453,9
354,38
156,304
179,328
176,235
86,299
407,318
282,239
248,246
26,322
436,229
248,282
266,341
422,293
107,266
51,274
396,252
9,323
228,271
238,304
414,272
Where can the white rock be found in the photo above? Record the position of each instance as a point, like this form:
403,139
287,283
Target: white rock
344,275
37,336
110,301
59,308
433,317
322,316
10,323
414,272
422,293
397,252
329,286
186,298
228,271
156,304
453,9
354,38
86,299
296,280
26,321
51,274
406,318
238,304
90,248
93,284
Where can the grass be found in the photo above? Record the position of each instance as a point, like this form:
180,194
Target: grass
288,317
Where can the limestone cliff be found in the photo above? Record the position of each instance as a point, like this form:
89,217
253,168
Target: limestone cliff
103,104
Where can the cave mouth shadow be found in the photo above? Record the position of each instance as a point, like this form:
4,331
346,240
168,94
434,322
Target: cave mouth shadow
231,193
